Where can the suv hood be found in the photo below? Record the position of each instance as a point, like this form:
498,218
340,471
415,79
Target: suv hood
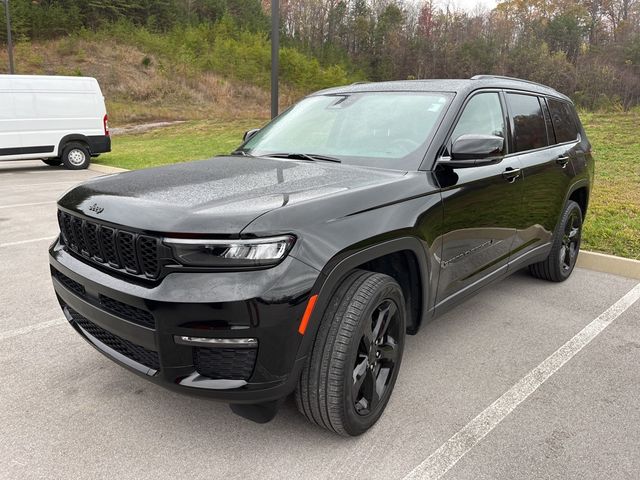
221,195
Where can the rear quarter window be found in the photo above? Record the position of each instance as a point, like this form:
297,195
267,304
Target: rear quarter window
529,128
564,121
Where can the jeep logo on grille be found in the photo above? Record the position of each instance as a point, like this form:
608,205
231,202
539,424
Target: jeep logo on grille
96,208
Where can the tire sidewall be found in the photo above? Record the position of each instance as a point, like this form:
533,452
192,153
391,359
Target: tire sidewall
70,148
354,423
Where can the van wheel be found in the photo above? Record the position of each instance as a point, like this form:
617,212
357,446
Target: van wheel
76,156
353,365
566,246
53,162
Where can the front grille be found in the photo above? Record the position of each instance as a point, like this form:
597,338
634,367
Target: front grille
128,312
72,285
118,249
130,350
225,363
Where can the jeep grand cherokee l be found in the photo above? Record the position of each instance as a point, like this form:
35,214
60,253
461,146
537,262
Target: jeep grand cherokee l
299,262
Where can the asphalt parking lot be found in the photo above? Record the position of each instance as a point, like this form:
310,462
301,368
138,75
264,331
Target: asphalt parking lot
563,409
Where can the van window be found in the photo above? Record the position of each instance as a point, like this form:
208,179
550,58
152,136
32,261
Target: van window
529,129
563,120
482,115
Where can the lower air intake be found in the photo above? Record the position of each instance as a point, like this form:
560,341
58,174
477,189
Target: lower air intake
225,363
130,350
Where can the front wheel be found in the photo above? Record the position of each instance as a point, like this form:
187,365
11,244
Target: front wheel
76,156
566,245
352,368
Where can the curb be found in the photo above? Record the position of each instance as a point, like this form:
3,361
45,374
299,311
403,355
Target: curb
105,169
601,262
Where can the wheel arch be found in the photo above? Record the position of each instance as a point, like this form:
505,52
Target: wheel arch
74,137
579,193
387,257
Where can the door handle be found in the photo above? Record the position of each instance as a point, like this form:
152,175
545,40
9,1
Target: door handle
511,174
562,160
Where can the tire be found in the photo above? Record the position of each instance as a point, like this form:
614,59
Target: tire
53,162
565,248
76,156
343,347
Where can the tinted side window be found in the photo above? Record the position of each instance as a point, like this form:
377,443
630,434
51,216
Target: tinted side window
530,131
563,121
482,116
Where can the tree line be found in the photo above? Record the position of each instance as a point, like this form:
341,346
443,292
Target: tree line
588,49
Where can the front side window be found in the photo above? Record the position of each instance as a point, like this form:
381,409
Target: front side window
380,129
481,116
563,121
529,129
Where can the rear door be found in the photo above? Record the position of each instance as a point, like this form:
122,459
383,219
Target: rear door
482,204
546,165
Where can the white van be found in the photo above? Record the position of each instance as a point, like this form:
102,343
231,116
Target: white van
56,119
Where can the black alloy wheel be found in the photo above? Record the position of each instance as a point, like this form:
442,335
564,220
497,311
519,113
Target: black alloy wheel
352,368
570,241
557,267
377,357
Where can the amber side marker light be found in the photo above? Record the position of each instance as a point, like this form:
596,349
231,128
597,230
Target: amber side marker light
307,314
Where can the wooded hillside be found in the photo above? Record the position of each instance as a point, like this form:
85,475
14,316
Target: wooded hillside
588,49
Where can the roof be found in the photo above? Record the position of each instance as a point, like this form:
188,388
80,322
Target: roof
462,86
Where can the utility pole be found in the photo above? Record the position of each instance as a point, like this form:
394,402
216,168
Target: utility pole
275,58
9,39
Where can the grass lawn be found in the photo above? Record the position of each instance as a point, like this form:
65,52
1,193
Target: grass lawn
613,221
195,140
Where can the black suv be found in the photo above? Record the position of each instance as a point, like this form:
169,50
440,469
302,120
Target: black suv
299,262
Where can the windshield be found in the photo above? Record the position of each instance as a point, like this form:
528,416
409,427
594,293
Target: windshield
379,129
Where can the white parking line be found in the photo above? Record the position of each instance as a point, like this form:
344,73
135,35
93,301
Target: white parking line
445,457
18,205
13,244
31,328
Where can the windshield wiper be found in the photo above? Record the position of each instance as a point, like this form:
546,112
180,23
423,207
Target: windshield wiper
304,156
241,153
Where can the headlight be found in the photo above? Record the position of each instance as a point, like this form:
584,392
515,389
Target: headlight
256,252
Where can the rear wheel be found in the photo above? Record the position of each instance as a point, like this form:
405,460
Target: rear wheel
352,369
53,162
76,156
566,246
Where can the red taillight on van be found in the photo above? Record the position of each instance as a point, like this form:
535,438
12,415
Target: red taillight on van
105,121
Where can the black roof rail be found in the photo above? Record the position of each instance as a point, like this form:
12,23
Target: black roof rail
360,82
504,77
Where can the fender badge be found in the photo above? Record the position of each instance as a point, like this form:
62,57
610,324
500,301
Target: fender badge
96,208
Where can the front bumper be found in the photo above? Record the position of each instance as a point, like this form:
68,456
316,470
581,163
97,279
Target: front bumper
189,324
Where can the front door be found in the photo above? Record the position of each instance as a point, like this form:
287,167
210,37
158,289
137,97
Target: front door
481,205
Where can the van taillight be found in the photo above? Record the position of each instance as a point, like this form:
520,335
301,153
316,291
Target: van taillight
106,125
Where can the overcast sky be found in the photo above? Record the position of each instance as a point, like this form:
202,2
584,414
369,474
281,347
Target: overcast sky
468,5
471,4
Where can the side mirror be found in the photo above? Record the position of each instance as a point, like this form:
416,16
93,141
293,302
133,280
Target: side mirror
249,133
475,150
